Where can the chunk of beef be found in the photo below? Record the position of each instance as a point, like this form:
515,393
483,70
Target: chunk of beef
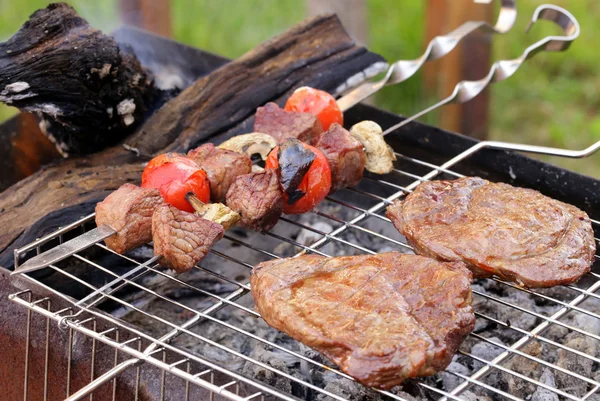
258,198
182,239
221,166
517,234
382,318
128,210
345,155
282,124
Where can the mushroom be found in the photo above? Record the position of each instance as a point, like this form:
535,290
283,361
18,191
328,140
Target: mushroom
380,156
250,144
215,212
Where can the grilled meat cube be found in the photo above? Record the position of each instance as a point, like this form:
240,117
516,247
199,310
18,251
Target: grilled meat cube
345,155
258,199
221,166
282,124
382,318
128,210
182,239
517,234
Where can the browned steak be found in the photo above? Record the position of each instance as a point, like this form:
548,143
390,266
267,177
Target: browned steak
258,199
345,155
282,124
381,318
517,234
129,211
182,239
221,166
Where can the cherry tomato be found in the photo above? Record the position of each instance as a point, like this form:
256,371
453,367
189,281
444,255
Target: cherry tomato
174,176
315,184
317,102
167,158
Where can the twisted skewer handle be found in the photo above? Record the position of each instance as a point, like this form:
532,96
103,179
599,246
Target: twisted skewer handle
437,48
503,69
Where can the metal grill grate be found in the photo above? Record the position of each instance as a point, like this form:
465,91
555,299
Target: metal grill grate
189,344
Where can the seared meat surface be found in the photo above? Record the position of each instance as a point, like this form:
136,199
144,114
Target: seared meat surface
381,318
221,166
258,199
182,239
345,155
282,124
128,210
517,234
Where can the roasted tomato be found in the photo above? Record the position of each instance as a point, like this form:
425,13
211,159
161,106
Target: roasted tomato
315,184
174,176
317,102
167,158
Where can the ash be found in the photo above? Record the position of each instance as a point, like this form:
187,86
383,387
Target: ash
505,316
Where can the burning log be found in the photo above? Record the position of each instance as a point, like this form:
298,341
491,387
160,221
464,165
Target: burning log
317,53
89,92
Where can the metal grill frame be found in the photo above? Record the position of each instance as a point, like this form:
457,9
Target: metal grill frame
154,354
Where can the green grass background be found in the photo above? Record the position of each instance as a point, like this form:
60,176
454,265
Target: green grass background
553,100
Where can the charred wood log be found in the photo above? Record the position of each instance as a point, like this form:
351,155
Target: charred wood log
317,52
89,92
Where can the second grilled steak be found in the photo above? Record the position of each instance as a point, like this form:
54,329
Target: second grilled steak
382,318
517,234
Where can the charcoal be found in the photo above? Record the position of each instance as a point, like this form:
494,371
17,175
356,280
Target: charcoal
469,396
486,351
575,363
348,389
542,394
450,380
309,237
526,367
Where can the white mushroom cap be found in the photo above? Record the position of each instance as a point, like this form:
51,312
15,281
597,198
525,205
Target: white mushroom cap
251,144
380,156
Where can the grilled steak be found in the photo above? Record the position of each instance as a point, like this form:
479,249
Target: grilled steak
221,166
258,199
282,124
129,211
382,318
345,155
517,234
182,239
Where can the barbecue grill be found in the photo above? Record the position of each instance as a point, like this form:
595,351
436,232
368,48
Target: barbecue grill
163,339
197,336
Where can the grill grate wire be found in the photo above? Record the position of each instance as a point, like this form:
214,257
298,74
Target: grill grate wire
387,190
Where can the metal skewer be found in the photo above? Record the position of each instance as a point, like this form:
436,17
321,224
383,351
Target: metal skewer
501,70
437,48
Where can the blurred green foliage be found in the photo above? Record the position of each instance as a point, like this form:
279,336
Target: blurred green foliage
553,100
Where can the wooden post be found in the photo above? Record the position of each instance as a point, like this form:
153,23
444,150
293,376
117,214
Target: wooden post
153,16
470,60
352,13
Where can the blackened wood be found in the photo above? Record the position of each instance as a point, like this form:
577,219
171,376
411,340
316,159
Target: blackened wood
317,53
90,92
